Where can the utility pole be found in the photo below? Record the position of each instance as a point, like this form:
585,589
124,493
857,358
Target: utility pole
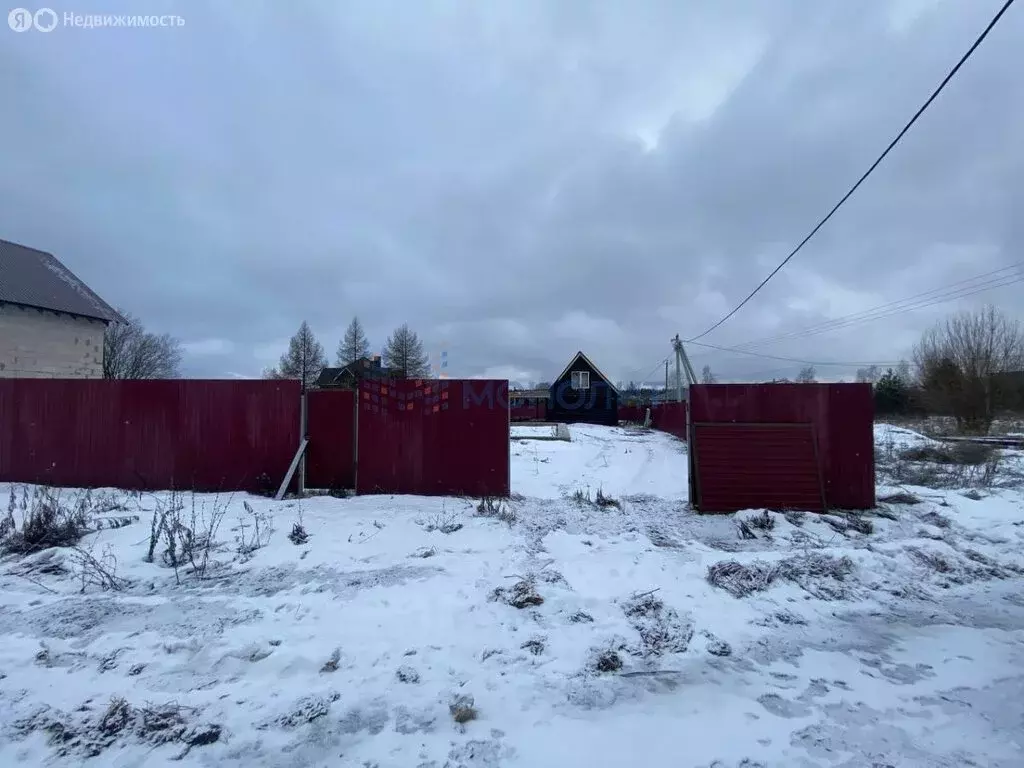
682,366
666,381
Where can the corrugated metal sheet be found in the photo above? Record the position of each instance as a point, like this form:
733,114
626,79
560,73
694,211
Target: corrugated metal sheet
149,435
755,466
632,412
671,418
331,429
535,412
448,437
842,416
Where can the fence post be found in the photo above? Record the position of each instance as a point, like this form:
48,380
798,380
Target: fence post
303,434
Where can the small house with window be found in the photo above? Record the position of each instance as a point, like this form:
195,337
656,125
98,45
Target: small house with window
581,393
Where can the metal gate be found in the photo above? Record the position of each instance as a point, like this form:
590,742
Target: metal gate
331,429
735,466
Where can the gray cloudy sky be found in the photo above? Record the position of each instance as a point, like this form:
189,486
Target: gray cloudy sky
518,180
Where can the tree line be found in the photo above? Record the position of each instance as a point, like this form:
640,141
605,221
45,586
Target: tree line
403,354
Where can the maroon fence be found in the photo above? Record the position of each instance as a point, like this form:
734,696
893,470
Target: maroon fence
448,437
197,434
331,429
632,413
781,446
537,411
671,418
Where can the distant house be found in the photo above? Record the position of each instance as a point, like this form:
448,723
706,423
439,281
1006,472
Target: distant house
349,376
581,393
51,323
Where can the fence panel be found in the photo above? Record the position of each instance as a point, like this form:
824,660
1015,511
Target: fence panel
447,437
739,466
842,417
671,418
331,429
149,435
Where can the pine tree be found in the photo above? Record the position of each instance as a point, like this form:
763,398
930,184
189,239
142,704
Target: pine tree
354,345
404,355
305,358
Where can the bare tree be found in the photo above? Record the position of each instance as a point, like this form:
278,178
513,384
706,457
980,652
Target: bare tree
707,377
404,355
353,345
304,360
130,352
959,359
869,375
807,375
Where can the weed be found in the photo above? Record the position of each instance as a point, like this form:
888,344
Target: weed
812,572
254,532
522,594
604,501
445,523
462,709
298,534
497,510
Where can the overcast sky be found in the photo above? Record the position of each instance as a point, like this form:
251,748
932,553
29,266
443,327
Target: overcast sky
519,180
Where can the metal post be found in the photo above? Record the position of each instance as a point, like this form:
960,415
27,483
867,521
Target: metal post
302,435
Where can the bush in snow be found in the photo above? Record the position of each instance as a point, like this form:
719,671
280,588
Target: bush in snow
604,501
496,509
187,536
89,733
51,517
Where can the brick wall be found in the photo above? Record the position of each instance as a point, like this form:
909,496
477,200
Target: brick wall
40,343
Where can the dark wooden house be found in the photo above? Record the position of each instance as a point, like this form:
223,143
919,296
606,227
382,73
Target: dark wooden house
581,393
349,376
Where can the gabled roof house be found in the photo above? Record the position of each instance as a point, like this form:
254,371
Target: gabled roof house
51,323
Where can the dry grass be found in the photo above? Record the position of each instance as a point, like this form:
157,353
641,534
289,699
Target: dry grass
820,575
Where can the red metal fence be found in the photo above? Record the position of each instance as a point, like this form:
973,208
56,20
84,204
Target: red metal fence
537,411
448,437
197,435
800,446
671,418
331,429
635,413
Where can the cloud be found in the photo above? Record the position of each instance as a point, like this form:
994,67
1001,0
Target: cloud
518,180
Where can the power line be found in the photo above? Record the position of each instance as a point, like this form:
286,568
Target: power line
863,178
999,278
840,363
657,365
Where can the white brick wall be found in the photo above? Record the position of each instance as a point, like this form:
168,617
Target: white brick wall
38,343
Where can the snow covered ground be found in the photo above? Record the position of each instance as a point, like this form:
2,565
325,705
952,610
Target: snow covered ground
557,629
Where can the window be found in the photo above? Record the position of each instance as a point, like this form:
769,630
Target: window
580,380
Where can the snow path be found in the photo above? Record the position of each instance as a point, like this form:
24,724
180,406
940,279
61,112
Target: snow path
349,649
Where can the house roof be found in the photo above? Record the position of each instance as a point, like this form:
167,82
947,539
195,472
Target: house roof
589,362
327,376
37,279
364,365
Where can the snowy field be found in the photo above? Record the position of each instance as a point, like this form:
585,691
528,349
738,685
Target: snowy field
608,627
